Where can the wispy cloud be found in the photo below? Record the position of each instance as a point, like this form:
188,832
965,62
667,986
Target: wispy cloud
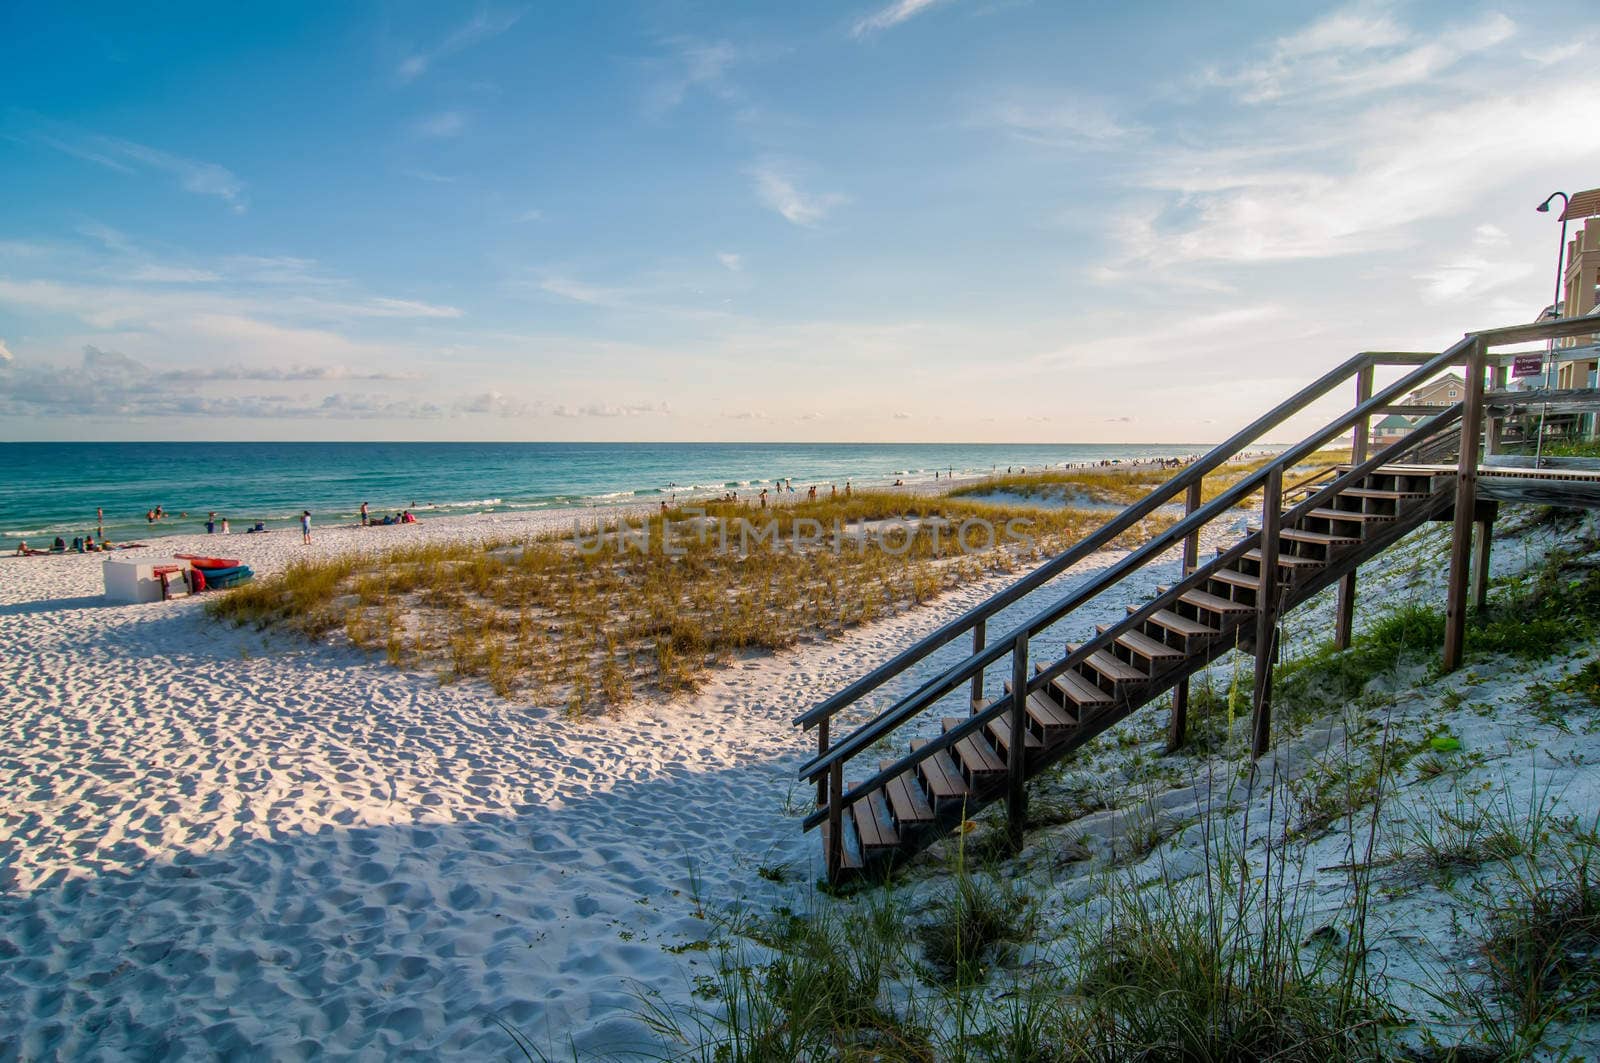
530,215
607,409
440,125
111,384
731,261
1358,50
1080,122
131,158
890,16
6,357
776,188
429,176
692,65
1480,270
483,26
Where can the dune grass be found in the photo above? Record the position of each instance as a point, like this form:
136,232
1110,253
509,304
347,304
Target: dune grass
595,617
1118,485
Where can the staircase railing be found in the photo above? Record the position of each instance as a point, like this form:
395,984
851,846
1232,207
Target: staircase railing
826,768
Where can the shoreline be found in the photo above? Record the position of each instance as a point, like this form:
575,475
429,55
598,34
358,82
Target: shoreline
484,499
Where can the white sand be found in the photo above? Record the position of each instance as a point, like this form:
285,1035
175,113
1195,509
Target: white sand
215,840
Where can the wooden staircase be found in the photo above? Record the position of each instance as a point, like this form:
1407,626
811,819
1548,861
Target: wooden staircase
1148,654
1312,535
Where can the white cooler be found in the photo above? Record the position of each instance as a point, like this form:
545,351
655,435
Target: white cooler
148,579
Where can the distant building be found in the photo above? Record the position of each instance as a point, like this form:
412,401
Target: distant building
1391,429
1446,391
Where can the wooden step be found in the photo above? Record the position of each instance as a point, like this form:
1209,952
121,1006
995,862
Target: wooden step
1074,692
908,807
849,859
1142,644
1180,625
1235,578
871,818
999,732
1110,667
941,779
1211,603
1346,514
1288,560
1300,535
1051,720
979,762
1373,492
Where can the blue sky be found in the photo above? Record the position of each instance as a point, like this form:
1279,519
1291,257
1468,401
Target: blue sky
938,220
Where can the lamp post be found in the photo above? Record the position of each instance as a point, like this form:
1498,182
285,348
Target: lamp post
1550,348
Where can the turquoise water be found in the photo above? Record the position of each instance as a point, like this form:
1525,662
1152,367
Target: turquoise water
54,488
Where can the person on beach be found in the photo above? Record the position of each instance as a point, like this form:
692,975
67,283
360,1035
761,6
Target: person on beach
22,549
763,498
365,520
305,527
811,495
211,523
224,525
59,546
847,489
100,521
150,516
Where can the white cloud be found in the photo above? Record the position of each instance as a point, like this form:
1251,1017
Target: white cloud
777,190
531,215
609,410
1359,50
1476,273
129,157
693,65
731,261
403,308
6,357
890,16
483,26
1353,183
1071,122
441,124
111,384
156,273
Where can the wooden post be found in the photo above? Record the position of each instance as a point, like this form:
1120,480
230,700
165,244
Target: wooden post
1345,614
1267,609
822,750
1455,609
1496,427
1017,752
977,648
835,820
1480,566
1178,725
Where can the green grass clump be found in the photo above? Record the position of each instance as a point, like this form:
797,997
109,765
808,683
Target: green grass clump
971,926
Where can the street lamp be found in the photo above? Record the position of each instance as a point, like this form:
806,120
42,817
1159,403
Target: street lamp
1555,310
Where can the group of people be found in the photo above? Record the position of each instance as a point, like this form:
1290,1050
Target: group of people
405,516
80,545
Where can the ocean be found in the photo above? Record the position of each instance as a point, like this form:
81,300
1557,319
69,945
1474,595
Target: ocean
53,489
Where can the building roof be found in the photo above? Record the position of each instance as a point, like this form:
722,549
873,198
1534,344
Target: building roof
1582,205
1394,420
